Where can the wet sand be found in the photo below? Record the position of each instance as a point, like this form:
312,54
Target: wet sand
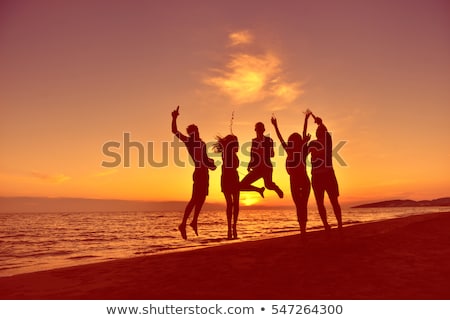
404,258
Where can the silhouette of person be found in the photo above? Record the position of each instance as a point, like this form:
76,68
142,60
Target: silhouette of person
322,172
229,146
260,165
297,151
197,151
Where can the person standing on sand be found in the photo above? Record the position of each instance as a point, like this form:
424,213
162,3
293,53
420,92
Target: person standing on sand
229,182
322,172
197,150
260,165
297,151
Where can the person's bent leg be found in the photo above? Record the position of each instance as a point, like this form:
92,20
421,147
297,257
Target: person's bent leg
269,184
246,183
187,213
199,201
188,210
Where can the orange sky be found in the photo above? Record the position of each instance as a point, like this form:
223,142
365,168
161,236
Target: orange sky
75,75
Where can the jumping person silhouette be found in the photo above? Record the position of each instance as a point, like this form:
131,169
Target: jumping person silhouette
297,151
229,146
322,172
197,150
260,165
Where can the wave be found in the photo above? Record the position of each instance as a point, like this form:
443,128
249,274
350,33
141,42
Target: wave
43,254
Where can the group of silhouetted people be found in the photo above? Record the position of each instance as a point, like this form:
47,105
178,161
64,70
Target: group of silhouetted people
260,166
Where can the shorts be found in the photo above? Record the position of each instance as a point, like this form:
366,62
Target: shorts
201,182
325,180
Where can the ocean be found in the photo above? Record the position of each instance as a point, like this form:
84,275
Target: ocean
40,241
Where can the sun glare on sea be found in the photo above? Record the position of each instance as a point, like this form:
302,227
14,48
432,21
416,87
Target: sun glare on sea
248,200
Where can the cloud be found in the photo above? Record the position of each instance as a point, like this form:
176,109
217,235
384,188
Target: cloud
240,37
51,178
245,77
105,173
248,77
288,92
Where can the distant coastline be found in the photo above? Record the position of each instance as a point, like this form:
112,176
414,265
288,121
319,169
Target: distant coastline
441,202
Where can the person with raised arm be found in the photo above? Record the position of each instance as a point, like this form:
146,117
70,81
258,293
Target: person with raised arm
297,151
322,172
197,151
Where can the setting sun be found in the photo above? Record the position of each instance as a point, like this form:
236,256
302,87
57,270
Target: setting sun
249,199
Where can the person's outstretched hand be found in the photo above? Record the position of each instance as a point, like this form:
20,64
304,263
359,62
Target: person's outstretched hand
274,121
176,112
308,113
307,138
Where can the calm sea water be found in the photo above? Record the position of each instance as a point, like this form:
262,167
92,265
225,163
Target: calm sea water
39,241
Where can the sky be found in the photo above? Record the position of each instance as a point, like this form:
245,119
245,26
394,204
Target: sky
79,78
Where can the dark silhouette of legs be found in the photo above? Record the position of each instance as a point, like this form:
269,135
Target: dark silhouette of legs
300,194
319,193
195,203
235,196
332,189
268,182
187,213
255,174
199,193
327,183
296,196
246,183
337,210
229,201
198,206
232,200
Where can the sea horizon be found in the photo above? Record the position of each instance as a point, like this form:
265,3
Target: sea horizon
27,204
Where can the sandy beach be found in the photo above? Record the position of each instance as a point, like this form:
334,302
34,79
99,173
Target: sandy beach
404,258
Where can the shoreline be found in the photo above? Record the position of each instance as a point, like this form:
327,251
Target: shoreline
401,258
213,243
